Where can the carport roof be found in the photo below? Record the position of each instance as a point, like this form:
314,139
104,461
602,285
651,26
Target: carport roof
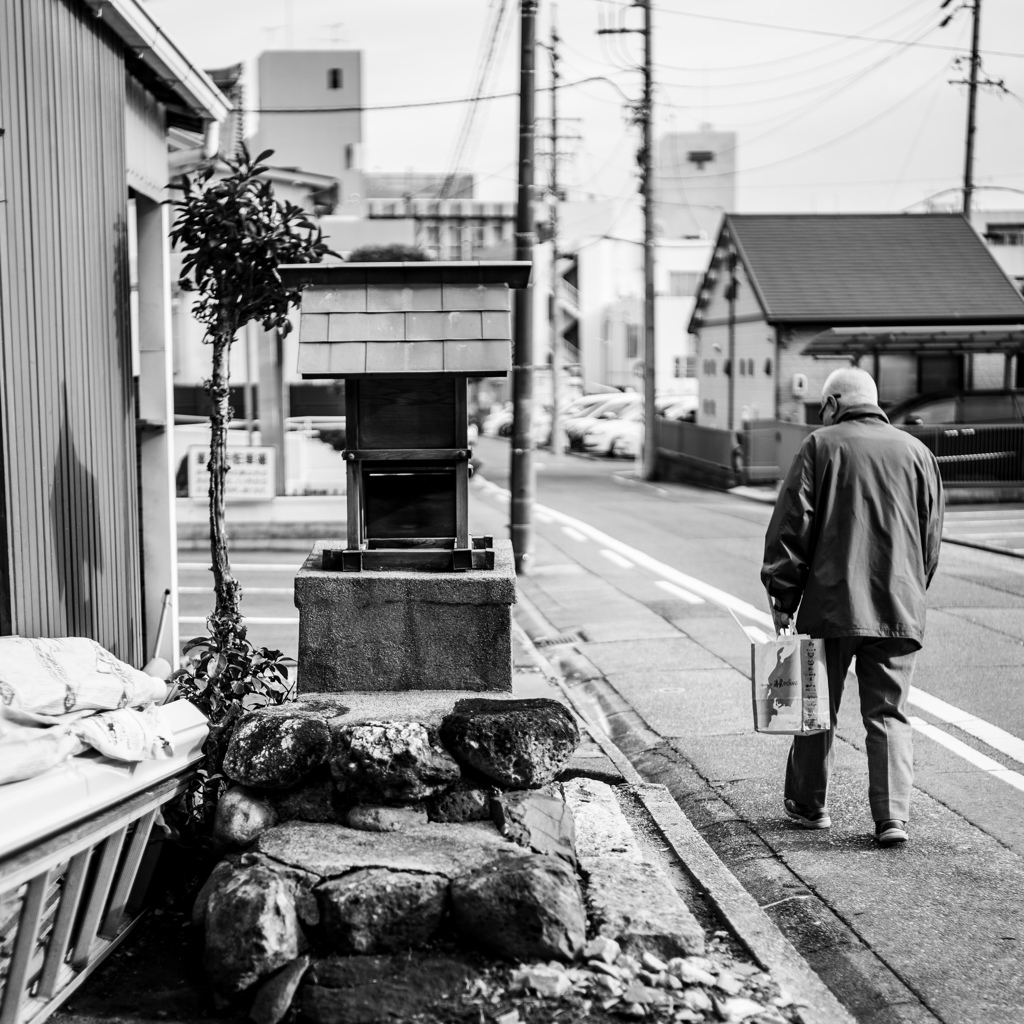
846,341
857,269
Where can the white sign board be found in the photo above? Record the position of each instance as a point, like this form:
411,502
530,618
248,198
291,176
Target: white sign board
252,472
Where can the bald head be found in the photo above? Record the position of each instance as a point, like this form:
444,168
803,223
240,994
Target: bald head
850,386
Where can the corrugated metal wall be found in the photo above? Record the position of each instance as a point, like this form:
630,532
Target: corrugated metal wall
67,417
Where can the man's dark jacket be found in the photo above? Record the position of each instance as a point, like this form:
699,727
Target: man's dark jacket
856,530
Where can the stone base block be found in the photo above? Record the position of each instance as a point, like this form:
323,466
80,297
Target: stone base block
383,630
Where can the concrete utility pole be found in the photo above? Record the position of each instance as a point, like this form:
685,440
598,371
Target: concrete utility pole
645,157
522,483
557,445
972,99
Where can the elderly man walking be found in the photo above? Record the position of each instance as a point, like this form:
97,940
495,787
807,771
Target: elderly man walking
854,543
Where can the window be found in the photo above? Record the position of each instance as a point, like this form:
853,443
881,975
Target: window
1004,234
743,367
683,282
632,341
709,406
334,78
677,367
691,366
988,409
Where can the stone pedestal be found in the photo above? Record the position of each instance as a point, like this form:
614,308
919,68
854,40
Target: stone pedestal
397,630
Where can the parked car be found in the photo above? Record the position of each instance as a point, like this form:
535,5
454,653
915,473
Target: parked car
618,433
1002,405
681,408
498,422
608,409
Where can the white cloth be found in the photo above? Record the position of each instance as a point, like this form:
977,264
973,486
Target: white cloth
61,696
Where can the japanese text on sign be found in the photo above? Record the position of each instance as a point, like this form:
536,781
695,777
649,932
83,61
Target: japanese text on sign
251,473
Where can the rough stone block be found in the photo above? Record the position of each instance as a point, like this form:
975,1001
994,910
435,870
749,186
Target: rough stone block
497,326
635,903
315,358
463,325
538,819
339,298
477,356
601,827
330,851
348,357
404,356
475,296
527,910
397,630
379,911
384,297
366,327
313,326
424,326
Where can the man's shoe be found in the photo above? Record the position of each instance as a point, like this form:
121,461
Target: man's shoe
891,831
807,818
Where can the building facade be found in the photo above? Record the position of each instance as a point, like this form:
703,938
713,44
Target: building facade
88,93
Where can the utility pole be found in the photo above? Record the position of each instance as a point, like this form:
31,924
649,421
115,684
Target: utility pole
645,157
522,484
557,446
972,99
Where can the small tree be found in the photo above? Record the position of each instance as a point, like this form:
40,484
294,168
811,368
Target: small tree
234,234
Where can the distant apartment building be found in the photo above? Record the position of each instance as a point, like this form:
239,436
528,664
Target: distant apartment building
695,182
309,113
1003,231
417,185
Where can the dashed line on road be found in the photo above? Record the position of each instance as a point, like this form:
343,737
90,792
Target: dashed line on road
574,534
543,518
683,595
616,559
948,713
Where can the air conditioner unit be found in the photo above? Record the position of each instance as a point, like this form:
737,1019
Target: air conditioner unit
799,385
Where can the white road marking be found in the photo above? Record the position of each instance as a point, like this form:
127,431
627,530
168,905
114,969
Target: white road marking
986,537
683,595
616,559
248,590
542,518
253,620
999,739
573,534
968,753
251,566
949,713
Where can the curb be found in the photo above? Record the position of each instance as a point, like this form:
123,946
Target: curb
982,547
739,911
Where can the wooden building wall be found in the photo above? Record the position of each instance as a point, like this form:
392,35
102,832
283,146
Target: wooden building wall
69,476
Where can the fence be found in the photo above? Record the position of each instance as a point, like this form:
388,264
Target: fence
983,455
694,454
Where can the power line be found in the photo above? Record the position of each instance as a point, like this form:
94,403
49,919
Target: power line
412,105
825,32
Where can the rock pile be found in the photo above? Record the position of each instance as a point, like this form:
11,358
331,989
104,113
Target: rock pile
353,836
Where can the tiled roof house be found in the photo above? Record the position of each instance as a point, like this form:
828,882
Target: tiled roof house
917,300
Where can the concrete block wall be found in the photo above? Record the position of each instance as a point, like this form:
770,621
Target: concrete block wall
395,325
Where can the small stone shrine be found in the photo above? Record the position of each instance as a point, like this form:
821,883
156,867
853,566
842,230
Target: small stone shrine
409,600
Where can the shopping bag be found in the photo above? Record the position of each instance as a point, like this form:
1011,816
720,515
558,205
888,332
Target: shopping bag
789,685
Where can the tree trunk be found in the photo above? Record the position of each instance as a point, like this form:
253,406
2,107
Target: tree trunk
225,620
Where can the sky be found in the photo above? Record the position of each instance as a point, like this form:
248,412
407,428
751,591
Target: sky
838,107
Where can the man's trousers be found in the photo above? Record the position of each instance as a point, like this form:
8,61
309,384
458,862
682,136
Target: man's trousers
885,668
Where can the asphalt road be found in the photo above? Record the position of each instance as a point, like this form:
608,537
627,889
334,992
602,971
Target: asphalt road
931,932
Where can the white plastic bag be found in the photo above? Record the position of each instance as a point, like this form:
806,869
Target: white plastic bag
789,685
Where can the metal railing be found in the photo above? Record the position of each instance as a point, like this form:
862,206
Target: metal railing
981,455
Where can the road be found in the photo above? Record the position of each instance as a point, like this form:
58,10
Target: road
932,932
